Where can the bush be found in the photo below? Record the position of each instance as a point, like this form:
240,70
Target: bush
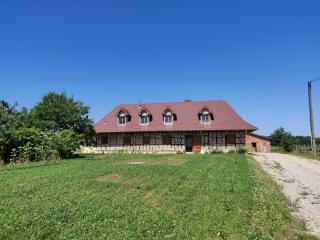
241,150
67,142
288,144
34,144
216,151
277,149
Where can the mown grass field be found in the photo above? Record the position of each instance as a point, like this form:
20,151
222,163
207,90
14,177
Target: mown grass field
168,197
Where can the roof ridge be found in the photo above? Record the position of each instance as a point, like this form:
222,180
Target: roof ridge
168,103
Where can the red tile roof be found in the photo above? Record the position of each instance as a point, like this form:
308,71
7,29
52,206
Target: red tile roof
225,118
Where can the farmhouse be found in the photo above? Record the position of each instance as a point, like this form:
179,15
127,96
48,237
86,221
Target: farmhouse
201,126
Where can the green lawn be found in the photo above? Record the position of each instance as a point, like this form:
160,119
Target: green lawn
169,197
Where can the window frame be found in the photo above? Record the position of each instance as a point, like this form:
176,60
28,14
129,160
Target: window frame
144,119
205,139
122,120
205,118
167,117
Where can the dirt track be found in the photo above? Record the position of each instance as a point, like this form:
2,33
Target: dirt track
300,180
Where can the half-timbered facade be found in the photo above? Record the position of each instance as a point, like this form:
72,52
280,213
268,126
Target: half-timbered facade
201,126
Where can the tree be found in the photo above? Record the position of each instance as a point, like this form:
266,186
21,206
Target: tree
283,139
10,120
57,111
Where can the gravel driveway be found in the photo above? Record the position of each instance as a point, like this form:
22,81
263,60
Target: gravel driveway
300,181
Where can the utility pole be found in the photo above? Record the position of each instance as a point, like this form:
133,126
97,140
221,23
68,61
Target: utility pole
313,139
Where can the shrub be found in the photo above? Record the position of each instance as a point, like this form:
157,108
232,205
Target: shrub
67,142
277,149
241,150
35,144
216,151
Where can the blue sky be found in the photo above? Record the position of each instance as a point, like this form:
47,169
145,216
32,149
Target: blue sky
257,55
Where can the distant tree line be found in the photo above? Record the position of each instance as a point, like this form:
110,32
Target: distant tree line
54,128
288,142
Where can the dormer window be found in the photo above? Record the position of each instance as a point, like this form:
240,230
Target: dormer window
169,116
168,119
123,117
205,116
145,116
144,120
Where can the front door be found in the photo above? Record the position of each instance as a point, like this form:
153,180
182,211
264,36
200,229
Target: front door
196,143
188,143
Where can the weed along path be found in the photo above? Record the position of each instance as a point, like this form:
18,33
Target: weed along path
300,180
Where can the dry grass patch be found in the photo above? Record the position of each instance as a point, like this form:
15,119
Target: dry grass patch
153,199
113,178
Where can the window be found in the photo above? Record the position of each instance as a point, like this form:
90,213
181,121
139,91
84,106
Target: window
122,119
145,116
205,117
169,116
168,119
144,119
205,139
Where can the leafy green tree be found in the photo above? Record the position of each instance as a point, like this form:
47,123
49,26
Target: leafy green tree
10,120
283,139
57,111
54,128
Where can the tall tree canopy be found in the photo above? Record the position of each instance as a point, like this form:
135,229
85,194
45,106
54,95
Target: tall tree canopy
57,111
